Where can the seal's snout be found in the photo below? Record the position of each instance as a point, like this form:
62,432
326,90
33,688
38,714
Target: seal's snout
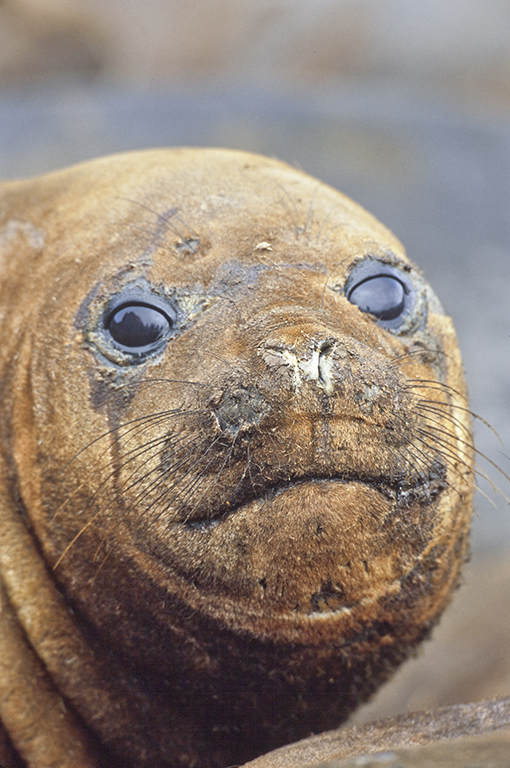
242,407
316,360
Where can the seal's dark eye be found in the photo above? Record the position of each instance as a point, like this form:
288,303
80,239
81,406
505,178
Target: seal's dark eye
383,296
138,327
392,294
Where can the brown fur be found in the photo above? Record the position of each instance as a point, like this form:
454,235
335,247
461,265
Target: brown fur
228,545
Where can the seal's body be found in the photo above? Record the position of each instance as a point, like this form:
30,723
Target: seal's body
237,459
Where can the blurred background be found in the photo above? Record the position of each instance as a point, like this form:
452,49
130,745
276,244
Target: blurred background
403,105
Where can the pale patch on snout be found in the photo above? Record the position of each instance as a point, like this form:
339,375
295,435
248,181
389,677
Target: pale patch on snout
317,368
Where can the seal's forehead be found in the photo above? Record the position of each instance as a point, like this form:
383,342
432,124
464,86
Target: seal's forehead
237,193
235,201
178,216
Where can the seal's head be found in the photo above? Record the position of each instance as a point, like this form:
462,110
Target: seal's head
239,437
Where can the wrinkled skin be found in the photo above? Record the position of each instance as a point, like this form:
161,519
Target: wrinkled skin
227,543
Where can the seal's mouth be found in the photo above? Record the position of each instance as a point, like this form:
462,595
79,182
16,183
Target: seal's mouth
304,547
421,489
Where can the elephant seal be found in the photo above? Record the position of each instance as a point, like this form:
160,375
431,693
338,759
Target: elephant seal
236,457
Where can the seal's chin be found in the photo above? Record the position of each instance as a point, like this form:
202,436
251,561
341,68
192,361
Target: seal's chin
315,546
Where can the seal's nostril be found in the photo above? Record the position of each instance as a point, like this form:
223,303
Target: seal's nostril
326,347
325,372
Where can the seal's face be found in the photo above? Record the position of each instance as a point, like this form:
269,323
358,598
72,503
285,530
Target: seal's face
249,422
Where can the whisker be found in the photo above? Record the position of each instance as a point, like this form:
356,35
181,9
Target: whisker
309,213
431,440
452,436
75,539
483,456
430,406
115,429
325,221
139,423
434,385
171,469
447,461
402,457
170,488
328,278
293,211
218,475
163,218
147,489
408,358
127,486
455,457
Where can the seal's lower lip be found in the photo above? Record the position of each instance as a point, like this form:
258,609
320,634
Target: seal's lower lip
422,491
